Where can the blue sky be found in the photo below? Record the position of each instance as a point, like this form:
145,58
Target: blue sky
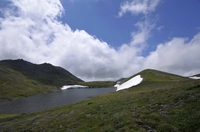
103,39
99,19
173,18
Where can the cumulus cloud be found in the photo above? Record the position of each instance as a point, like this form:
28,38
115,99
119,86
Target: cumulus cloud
35,33
85,0
179,55
140,36
138,7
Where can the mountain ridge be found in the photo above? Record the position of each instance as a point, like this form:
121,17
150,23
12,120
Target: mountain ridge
196,75
20,78
44,73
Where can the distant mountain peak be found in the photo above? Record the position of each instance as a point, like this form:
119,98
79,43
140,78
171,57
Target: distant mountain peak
197,75
45,73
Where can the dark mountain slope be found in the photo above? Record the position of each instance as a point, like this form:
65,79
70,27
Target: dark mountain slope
43,73
19,78
197,75
14,84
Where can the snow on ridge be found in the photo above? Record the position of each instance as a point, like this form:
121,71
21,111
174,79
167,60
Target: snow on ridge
73,86
194,77
130,83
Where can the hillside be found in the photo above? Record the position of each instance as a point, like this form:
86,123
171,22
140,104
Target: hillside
98,84
20,78
197,75
151,75
162,102
43,73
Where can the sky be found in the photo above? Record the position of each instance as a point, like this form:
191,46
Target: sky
103,39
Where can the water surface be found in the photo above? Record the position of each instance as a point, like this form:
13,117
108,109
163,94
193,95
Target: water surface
51,100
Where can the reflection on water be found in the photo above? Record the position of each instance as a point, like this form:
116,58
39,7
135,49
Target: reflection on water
51,100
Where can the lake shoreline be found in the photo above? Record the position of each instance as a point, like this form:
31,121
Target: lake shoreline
46,101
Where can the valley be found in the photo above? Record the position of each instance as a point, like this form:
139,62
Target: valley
161,102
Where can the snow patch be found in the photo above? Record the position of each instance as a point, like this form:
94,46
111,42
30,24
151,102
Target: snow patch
116,85
130,83
194,77
73,86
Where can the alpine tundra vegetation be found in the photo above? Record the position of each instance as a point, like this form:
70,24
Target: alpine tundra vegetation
161,102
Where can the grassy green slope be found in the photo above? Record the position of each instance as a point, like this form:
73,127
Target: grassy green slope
19,78
98,84
14,84
43,73
151,75
162,102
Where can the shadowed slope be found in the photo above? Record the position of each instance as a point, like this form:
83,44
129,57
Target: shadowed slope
19,78
43,73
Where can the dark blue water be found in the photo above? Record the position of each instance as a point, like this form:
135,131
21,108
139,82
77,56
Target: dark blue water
51,100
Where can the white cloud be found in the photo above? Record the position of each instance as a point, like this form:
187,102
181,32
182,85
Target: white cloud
35,34
138,6
142,35
38,9
180,56
82,0
38,36
160,28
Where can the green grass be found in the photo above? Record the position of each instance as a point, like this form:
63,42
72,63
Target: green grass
19,79
150,75
98,84
44,73
156,104
15,85
4,116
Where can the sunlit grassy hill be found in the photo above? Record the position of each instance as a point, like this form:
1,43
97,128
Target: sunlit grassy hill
162,102
19,78
151,75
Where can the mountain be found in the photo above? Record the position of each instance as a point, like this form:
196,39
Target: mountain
21,78
161,102
98,84
43,73
151,75
197,75
121,80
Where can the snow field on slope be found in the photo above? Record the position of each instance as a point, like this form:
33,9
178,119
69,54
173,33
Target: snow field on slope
130,83
195,77
73,86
